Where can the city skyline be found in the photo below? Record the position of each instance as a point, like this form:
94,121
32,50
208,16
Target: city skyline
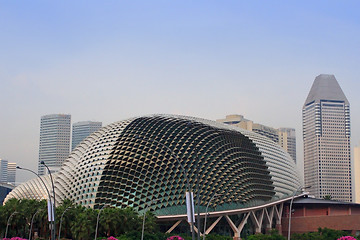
111,61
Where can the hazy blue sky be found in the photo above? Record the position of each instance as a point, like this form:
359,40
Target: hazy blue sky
111,60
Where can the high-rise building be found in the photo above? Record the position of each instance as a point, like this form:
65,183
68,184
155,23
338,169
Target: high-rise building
11,173
81,130
7,171
54,148
326,135
3,170
285,137
287,140
357,174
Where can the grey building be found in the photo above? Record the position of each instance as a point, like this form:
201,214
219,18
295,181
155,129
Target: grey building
3,170
326,135
287,140
54,147
7,171
81,130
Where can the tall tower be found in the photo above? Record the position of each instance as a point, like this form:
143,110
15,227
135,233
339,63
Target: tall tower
326,135
81,130
54,145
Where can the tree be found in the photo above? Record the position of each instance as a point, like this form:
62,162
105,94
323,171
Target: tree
327,197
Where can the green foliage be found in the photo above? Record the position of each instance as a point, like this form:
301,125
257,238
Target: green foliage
274,235
327,197
217,237
77,223
321,234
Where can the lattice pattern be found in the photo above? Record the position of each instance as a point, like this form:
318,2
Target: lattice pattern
137,163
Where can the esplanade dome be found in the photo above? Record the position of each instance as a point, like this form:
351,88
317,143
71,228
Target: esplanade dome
152,160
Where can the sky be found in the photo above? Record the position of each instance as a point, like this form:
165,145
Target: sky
111,60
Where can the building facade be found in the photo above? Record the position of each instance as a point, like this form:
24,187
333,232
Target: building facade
7,171
11,173
3,170
326,136
54,147
285,137
81,130
287,140
310,214
357,174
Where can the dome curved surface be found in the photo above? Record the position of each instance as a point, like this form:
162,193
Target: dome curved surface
153,160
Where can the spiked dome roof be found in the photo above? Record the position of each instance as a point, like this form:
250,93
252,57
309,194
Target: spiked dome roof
149,159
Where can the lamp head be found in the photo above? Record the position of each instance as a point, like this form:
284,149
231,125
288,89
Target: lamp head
42,162
18,167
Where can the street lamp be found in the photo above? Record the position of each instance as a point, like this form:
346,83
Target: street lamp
49,196
206,212
290,208
8,222
143,224
62,215
32,221
53,208
97,220
185,175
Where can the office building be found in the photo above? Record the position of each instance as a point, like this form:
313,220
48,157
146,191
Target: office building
287,140
357,174
81,130
285,137
54,148
11,173
7,171
3,170
326,135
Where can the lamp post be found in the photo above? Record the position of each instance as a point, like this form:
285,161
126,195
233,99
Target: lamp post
206,213
49,196
8,222
97,220
290,208
32,221
53,207
62,215
143,224
185,175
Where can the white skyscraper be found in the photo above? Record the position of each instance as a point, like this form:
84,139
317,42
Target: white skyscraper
54,148
81,130
326,135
